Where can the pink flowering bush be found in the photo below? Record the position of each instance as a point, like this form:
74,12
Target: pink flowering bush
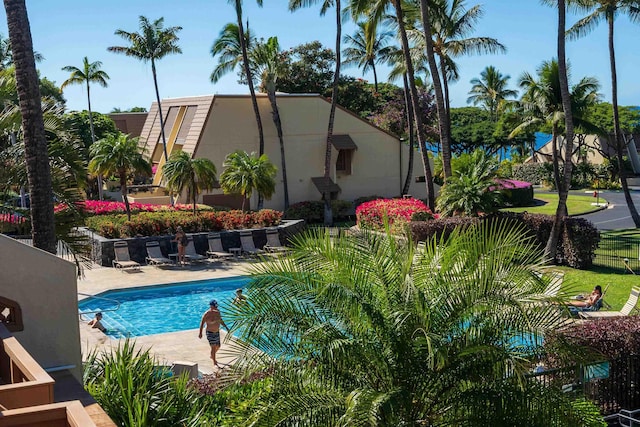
99,207
515,193
398,211
13,223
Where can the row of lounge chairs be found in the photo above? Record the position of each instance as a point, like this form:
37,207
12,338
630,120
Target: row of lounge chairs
216,251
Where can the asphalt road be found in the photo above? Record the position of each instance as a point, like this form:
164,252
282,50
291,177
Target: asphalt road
616,215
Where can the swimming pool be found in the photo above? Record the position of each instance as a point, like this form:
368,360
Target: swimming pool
158,309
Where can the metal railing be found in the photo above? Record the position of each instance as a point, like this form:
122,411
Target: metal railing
620,253
117,307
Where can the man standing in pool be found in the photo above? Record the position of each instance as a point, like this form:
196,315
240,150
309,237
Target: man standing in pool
213,319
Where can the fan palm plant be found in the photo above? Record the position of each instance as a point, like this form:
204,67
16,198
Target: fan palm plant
368,47
490,90
196,175
367,330
151,44
89,73
245,173
121,156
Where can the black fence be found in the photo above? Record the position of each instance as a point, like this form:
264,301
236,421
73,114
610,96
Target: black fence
619,253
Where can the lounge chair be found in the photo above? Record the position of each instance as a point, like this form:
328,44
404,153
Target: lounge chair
554,284
190,252
273,243
215,247
123,259
248,247
154,255
626,310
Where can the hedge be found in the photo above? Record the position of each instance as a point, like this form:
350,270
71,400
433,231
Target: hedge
535,173
160,223
576,246
516,193
312,211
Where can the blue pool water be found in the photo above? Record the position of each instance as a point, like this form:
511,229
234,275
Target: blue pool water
159,309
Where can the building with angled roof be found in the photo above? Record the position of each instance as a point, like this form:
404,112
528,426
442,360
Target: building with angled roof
366,159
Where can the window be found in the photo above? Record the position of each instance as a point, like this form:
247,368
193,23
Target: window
343,163
11,315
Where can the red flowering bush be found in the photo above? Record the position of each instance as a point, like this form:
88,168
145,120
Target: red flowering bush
99,207
159,223
371,214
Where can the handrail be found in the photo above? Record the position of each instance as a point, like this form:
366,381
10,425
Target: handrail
99,311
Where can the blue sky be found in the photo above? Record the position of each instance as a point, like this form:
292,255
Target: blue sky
65,31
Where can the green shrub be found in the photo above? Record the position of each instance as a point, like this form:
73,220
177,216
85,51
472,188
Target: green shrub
535,173
159,223
312,211
360,200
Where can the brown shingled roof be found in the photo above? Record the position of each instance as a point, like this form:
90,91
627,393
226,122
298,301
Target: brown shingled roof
343,142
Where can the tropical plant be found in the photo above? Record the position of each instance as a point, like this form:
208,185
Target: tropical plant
121,156
471,189
608,10
151,44
267,59
35,143
196,175
89,73
246,172
368,330
367,48
325,5
490,91
128,384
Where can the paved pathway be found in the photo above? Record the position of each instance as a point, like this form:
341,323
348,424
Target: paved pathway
616,215
169,347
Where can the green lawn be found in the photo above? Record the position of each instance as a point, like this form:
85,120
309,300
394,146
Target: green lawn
547,203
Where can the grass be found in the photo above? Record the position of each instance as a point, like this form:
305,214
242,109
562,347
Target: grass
547,203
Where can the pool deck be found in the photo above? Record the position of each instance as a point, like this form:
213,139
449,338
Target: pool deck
170,347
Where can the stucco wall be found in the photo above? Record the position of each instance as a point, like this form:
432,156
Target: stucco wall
376,164
45,287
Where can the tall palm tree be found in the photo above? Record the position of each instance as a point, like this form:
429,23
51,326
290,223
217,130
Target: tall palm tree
228,50
368,47
367,330
245,173
490,90
121,156
608,10
151,44
89,73
325,5
267,59
36,154
196,175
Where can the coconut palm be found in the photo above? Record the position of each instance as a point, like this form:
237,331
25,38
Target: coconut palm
121,156
151,44
267,59
228,50
367,330
89,73
245,173
368,47
6,55
608,10
195,175
490,90
36,154
324,6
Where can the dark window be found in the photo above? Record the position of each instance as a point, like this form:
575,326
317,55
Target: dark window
11,315
343,163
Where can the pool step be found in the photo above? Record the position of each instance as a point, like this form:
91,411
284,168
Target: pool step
123,327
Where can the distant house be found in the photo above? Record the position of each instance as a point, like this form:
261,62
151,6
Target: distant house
129,123
366,160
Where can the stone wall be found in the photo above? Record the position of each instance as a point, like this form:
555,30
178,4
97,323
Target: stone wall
103,253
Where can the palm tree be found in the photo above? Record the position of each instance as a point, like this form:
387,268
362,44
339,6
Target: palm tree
490,90
36,154
151,44
325,5
367,330
90,73
228,50
266,58
181,171
121,156
368,48
607,10
245,173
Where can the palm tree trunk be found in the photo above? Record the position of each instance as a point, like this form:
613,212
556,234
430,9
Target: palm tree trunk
271,93
93,137
447,106
616,127
375,76
409,112
550,251
445,140
195,194
413,91
556,158
328,212
123,191
254,100
35,142
164,139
